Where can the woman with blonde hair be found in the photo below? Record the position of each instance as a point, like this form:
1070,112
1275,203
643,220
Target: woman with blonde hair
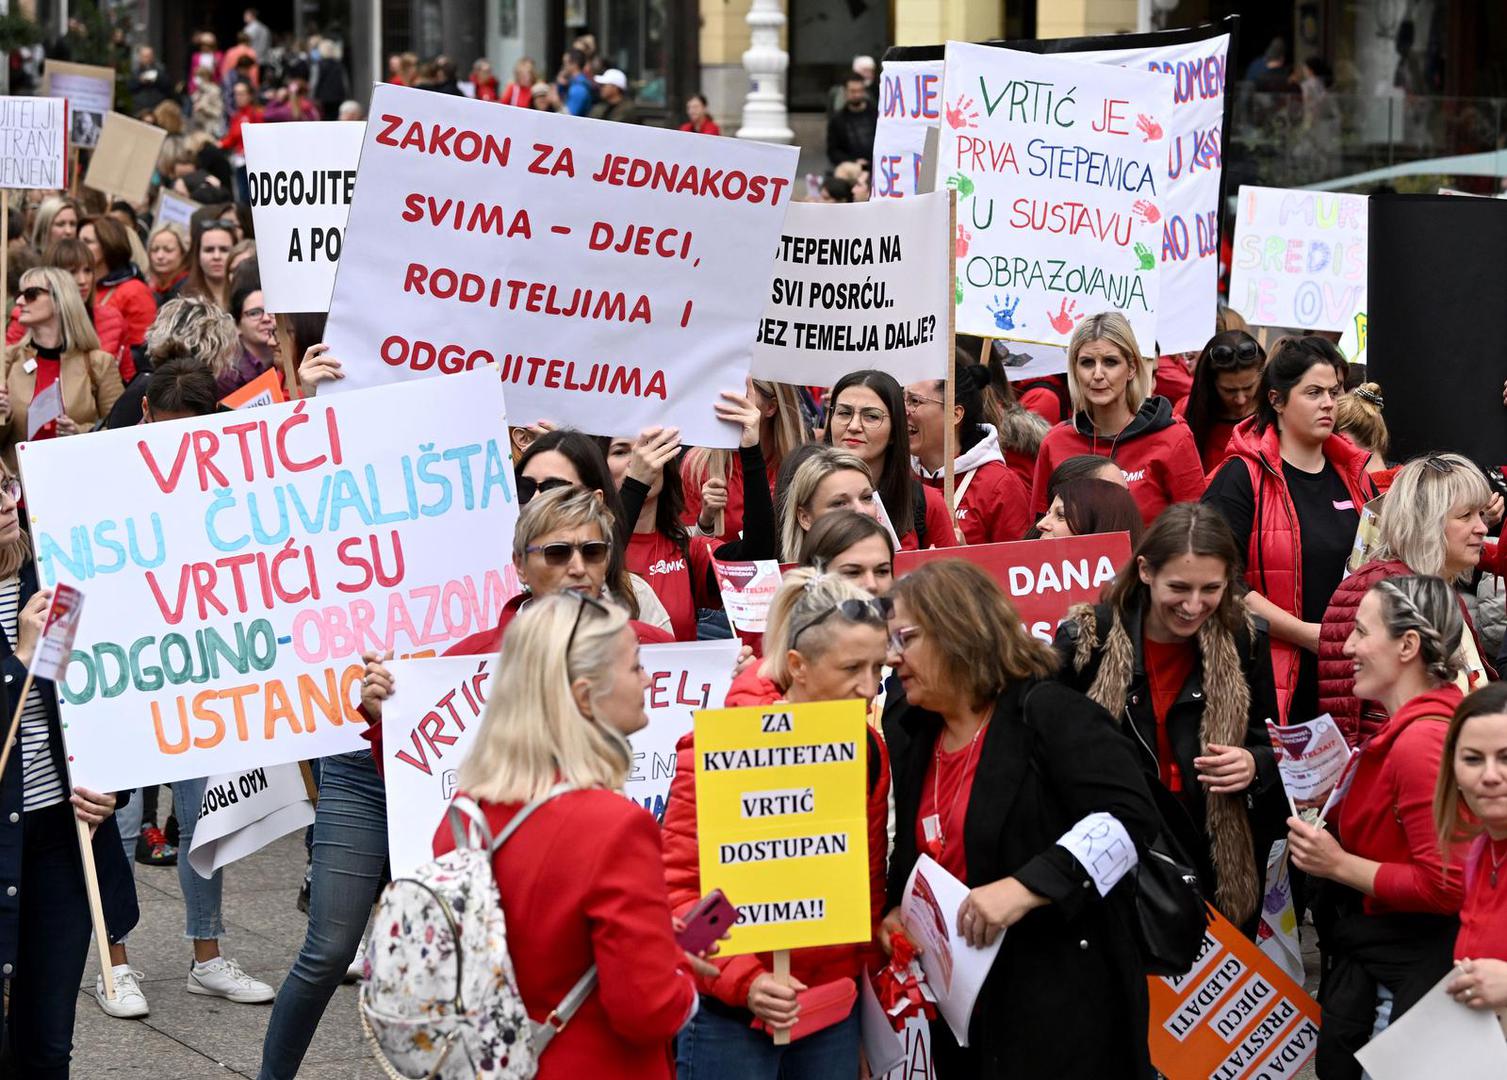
1358,417
1116,415
59,346
167,261
58,218
825,480
713,479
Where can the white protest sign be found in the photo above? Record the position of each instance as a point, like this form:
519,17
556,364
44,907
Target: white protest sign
58,632
244,812
1058,170
90,92
614,272
175,209
33,142
239,564
747,590
910,102
864,285
1300,258
46,407
301,176
1438,1037
883,1048
955,970
1311,758
916,1065
1277,931
435,712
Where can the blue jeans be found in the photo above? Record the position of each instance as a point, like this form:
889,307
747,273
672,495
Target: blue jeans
717,1047
350,862
201,896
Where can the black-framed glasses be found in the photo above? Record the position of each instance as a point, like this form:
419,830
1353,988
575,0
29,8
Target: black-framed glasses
31,292
586,602
558,552
528,487
870,417
877,610
1242,354
254,313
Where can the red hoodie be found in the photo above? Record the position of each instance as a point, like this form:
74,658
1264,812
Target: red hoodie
990,498
1388,817
1155,452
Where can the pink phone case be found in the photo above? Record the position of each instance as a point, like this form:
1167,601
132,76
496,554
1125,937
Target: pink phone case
705,924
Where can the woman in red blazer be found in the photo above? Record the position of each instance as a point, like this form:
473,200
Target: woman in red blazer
580,881
118,282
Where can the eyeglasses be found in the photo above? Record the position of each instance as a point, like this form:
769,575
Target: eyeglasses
913,402
870,418
558,553
1241,355
254,313
902,637
586,602
31,292
878,610
528,487
10,487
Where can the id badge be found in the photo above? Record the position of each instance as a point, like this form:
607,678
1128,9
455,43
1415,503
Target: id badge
29,366
931,828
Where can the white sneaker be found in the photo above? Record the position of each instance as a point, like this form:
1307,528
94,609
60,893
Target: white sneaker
357,971
222,977
130,1003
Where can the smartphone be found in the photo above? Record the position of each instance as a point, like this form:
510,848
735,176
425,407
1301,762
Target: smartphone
705,924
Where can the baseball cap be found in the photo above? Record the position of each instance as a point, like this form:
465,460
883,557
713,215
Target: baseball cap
613,77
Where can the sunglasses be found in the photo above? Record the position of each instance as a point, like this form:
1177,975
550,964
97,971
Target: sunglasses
586,602
558,553
877,610
1246,352
31,292
528,487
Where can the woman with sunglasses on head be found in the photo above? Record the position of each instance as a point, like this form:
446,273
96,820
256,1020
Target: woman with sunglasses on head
1088,506
1296,492
1226,378
1387,910
994,764
209,262
119,283
1116,415
825,641
866,417
713,479
60,347
989,498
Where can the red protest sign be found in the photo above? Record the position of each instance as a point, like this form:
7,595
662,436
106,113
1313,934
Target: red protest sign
1042,578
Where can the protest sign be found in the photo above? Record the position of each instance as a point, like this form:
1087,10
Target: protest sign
883,1046
245,561
89,90
46,407
1311,757
1042,578
125,160
175,209
1438,1036
782,822
1277,930
1300,258
1352,341
244,812
435,712
33,143
1057,166
910,103
301,176
859,286
1235,1015
955,970
747,590
1367,536
916,1064
614,272
265,389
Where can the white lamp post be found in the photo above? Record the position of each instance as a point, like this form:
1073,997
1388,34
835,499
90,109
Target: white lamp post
764,116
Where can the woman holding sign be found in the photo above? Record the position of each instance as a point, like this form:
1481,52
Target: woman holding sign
1387,914
713,479
994,765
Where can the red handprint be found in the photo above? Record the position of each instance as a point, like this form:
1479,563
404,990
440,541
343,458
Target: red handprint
1063,321
964,239
961,114
1148,127
1146,211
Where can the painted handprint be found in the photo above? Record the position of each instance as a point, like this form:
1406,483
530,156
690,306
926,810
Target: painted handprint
961,114
1063,321
957,299
1148,128
1146,211
964,239
1148,260
1004,313
961,184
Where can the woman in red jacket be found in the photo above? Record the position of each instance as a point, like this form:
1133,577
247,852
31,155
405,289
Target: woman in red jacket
825,641
1387,912
582,878
1226,379
1431,524
1296,490
697,118
118,281
1116,415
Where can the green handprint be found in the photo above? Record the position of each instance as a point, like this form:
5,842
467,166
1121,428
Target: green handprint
957,292
1148,260
961,184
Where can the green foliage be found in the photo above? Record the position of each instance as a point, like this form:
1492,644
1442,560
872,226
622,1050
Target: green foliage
17,31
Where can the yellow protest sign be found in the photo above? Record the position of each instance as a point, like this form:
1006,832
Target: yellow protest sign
781,813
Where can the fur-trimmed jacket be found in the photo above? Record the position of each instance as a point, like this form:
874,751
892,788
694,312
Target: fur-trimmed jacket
1228,698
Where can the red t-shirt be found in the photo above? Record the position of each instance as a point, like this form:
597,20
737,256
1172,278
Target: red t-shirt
1215,443
680,588
1483,917
1167,669
949,779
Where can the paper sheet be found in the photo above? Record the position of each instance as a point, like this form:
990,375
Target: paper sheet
1438,1037
955,970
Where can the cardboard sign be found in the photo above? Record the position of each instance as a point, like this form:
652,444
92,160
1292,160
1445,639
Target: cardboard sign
955,970
1042,578
1057,166
910,103
58,632
859,286
1236,1015
240,564
90,93
613,272
244,812
1300,258
33,143
782,822
432,718
265,389
125,160
1311,757
174,208
301,177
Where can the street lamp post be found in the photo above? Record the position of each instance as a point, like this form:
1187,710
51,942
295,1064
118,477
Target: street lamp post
764,116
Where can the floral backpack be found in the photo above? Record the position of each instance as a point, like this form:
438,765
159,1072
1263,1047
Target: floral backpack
440,1000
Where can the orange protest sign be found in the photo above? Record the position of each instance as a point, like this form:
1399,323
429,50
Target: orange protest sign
1235,1016
265,389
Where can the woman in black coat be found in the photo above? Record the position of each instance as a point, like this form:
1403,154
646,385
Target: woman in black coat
1174,653
993,763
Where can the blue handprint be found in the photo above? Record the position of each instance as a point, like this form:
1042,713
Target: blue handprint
1004,314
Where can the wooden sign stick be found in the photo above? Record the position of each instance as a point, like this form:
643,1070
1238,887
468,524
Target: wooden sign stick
949,394
782,975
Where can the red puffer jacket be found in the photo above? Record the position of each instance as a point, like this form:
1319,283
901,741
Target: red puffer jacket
683,862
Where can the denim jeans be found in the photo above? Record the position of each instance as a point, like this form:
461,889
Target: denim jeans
203,919
717,1047
350,862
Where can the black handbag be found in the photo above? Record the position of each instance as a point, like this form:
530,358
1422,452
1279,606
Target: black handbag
1171,914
